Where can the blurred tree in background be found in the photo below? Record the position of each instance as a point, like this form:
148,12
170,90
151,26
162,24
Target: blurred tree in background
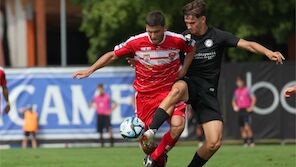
109,22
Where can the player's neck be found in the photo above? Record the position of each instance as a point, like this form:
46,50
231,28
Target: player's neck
203,30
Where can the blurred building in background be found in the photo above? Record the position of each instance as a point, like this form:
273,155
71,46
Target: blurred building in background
30,33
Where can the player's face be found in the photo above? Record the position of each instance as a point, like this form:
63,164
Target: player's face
239,83
194,24
101,90
155,33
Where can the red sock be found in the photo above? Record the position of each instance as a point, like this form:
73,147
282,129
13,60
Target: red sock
166,144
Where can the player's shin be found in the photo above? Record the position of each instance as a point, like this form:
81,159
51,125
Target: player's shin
165,145
169,140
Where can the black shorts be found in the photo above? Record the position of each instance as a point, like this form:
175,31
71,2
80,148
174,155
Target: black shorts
244,118
103,121
203,99
27,134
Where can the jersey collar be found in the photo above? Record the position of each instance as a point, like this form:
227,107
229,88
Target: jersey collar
163,39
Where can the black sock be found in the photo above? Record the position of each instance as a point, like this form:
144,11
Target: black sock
159,118
245,140
251,140
197,161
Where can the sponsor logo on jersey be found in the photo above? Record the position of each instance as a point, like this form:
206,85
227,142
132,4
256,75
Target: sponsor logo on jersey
149,67
172,55
146,57
145,48
171,48
209,43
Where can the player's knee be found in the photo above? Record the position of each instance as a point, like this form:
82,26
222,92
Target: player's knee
214,145
179,88
177,130
175,92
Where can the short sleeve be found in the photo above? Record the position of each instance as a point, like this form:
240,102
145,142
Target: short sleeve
2,78
228,39
187,45
124,48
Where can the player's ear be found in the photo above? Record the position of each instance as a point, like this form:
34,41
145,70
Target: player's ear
203,19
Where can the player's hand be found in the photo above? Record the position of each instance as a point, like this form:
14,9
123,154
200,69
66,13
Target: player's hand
81,74
7,108
290,90
131,61
276,56
235,108
182,73
250,109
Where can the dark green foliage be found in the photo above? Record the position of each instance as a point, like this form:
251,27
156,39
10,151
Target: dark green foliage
109,22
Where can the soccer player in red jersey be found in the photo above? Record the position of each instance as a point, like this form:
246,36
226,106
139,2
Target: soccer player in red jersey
4,90
157,67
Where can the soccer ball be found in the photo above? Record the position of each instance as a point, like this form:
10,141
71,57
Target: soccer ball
132,128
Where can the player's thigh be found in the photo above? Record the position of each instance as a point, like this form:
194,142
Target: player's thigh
180,91
213,131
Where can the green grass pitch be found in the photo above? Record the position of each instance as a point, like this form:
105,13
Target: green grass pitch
227,156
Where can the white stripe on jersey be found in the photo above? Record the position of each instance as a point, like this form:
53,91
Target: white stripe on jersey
158,57
130,39
169,33
166,33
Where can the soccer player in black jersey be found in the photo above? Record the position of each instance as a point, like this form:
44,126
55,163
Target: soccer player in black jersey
199,86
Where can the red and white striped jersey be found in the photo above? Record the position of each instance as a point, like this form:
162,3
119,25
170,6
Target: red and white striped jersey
156,66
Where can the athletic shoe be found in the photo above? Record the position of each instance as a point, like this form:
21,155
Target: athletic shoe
147,143
149,162
252,145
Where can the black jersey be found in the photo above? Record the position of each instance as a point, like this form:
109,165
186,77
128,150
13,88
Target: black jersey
210,47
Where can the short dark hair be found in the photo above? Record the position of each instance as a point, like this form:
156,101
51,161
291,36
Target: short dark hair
241,77
195,8
155,18
100,86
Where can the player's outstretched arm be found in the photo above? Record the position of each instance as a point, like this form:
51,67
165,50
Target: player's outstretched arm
104,60
259,49
187,61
